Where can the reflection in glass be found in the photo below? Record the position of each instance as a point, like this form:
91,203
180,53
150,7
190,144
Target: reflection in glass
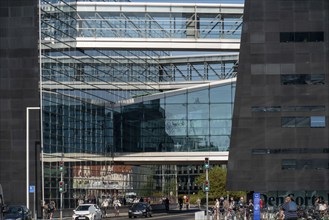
164,125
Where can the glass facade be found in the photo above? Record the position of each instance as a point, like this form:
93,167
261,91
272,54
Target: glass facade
177,122
101,103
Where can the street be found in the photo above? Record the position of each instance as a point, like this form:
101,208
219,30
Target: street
162,216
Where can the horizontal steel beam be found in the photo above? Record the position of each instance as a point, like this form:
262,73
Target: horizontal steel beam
143,158
206,58
159,44
143,7
171,44
52,85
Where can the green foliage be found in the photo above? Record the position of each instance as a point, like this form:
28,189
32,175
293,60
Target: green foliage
217,180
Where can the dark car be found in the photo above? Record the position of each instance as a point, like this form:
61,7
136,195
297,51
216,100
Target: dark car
17,212
140,209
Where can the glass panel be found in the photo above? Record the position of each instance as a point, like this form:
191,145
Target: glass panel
266,109
318,121
221,111
176,111
302,79
287,37
198,127
259,151
176,127
288,122
221,94
198,97
198,111
220,127
302,122
316,36
302,37
219,143
288,164
176,99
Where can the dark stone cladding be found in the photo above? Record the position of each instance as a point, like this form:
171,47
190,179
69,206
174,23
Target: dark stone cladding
262,59
19,77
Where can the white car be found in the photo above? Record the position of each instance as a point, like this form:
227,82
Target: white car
87,212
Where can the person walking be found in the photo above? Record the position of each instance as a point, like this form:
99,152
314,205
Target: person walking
117,204
167,204
187,203
180,202
288,209
105,205
45,213
198,202
51,209
216,208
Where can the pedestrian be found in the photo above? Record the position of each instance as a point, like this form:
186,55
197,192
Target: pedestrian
241,208
216,208
187,203
289,209
116,205
105,205
45,214
51,209
80,201
167,204
221,207
198,202
180,202
250,208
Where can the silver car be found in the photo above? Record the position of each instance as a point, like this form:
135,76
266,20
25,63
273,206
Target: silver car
87,212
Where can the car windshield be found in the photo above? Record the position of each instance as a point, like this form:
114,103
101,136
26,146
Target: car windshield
138,206
83,208
15,209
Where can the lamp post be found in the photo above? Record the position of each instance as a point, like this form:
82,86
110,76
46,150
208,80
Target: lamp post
27,155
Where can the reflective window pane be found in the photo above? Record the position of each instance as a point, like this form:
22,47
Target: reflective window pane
198,97
318,121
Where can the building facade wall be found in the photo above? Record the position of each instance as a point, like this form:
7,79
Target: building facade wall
19,76
282,92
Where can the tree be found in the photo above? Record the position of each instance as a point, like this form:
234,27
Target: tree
217,180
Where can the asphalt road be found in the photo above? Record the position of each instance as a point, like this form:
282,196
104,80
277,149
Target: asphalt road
161,216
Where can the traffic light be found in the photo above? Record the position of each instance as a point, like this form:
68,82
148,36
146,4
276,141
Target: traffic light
61,166
61,186
206,186
206,163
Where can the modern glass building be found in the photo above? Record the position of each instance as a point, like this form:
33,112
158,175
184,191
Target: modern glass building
134,96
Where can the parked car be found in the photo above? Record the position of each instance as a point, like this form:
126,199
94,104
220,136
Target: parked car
17,212
140,209
87,212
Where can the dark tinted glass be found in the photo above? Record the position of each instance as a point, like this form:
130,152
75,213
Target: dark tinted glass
288,122
301,36
302,79
316,36
302,122
287,37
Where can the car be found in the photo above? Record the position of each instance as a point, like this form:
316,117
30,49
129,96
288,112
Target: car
87,212
17,212
140,209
